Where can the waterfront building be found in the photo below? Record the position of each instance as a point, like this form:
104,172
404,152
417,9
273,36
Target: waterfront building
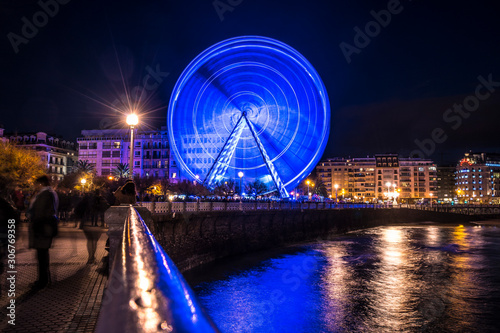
58,155
446,183
379,177
478,178
107,148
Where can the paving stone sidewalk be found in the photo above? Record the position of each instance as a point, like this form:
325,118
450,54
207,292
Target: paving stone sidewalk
72,302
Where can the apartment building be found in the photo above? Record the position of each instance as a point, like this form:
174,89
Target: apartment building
376,178
478,178
108,148
57,154
446,183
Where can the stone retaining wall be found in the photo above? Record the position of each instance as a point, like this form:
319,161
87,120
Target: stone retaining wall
195,239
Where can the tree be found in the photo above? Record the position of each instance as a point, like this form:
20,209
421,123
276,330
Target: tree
18,167
84,167
143,184
320,188
225,188
255,188
121,170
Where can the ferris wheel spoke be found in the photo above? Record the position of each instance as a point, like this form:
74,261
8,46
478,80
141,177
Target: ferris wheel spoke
215,86
270,166
221,163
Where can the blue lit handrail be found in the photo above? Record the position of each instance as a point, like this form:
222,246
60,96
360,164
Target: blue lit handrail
146,292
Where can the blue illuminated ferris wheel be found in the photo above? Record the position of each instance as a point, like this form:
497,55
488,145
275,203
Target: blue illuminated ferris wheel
251,106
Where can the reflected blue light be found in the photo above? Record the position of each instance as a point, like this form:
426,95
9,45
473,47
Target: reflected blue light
279,93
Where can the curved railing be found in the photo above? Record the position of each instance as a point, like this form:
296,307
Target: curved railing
146,292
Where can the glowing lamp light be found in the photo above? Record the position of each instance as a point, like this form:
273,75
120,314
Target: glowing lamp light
240,174
132,119
83,181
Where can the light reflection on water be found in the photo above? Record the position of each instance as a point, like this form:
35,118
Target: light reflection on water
387,279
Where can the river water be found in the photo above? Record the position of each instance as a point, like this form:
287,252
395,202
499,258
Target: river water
386,279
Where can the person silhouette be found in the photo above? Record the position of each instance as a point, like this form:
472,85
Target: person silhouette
42,213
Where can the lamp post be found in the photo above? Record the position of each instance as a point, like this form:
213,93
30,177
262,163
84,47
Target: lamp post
388,184
336,189
240,174
132,120
394,194
308,182
83,181
431,199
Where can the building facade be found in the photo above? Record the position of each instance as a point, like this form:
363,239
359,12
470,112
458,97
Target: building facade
58,155
377,178
446,183
106,149
478,178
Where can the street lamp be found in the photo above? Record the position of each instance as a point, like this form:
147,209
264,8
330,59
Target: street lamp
431,199
308,182
394,193
132,120
336,189
83,181
388,184
240,174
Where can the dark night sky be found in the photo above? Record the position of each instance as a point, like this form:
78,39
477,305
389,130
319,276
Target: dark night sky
393,92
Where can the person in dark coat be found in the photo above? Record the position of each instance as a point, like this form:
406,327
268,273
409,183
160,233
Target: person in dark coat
126,194
42,213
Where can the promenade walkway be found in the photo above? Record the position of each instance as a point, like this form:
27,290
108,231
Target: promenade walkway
73,300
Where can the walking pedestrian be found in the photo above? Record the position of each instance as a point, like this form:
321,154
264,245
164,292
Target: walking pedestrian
42,213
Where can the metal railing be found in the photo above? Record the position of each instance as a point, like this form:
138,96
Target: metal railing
146,292
459,209
192,207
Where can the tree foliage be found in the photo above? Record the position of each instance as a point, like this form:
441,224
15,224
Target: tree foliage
18,166
121,170
225,188
320,188
255,188
83,166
